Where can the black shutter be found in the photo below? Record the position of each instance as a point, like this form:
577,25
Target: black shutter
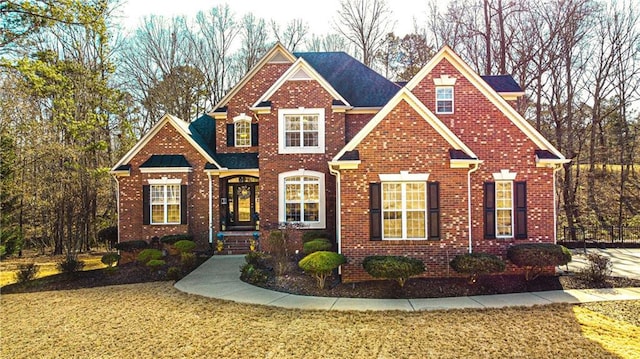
254,134
231,134
433,204
520,207
183,204
489,210
375,212
146,210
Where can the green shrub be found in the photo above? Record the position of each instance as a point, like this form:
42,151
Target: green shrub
156,264
70,264
108,235
132,246
174,273
149,254
476,264
321,264
110,259
257,259
251,274
597,270
185,246
308,236
3,251
535,257
173,238
397,268
11,239
26,272
316,245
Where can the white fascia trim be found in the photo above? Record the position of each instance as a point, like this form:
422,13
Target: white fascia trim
511,96
120,173
164,180
166,169
278,47
181,126
344,165
232,172
551,163
404,176
218,115
363,110
282,149
322,215
421,109
505,175
464,163
447,53
298,65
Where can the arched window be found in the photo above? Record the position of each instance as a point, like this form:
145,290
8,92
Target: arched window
242,131
302,198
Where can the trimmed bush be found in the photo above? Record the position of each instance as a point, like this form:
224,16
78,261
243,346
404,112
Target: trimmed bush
156,264
108,235
598,268
308,236
149,254
535,257
173,238
252,274
26,272
70,265
185,246
316,245
257,259
132,246
321,264
174,273
397,268
476,264
110,259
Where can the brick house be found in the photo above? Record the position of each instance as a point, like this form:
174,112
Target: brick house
440,166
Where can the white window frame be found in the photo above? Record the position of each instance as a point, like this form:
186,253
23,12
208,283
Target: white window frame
282,216
505,208
283,148
164,183
404,210
242,119
438,99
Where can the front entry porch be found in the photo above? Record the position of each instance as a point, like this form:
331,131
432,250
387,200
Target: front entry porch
240,204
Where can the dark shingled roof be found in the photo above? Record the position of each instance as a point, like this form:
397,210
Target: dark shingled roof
166,161
220,109
459,155
546,155
264,104
350,156
238,160
123,168
502,83
358,84
203,131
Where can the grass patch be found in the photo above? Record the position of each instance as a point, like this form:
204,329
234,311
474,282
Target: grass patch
115,323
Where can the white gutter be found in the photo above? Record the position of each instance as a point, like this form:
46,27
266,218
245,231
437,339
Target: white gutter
555,205
210,211
475,168
338,208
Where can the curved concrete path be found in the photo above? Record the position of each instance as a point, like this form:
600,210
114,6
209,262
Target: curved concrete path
219,278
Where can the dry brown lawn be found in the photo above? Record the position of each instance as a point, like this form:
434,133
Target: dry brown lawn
153,320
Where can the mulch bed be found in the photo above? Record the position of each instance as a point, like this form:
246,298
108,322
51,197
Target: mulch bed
296,282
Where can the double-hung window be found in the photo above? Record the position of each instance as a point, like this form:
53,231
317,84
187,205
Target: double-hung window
243,133
444,99
165,204
504,209
302,198
404,210
301,130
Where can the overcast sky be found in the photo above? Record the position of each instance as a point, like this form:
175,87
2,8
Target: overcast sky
318,14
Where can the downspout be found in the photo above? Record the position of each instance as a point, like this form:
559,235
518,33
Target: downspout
210,211
475,168
555,205
338,208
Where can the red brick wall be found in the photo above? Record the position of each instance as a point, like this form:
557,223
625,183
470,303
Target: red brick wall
166,141
397,145
355,123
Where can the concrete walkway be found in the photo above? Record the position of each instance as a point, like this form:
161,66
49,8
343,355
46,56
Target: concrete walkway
219,278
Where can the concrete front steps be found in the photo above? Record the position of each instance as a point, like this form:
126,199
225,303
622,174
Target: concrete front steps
235,242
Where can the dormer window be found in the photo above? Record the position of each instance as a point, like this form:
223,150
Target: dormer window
444,99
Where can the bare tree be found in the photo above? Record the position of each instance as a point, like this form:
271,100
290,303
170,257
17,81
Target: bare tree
327,43
365,23
292,35
253,42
